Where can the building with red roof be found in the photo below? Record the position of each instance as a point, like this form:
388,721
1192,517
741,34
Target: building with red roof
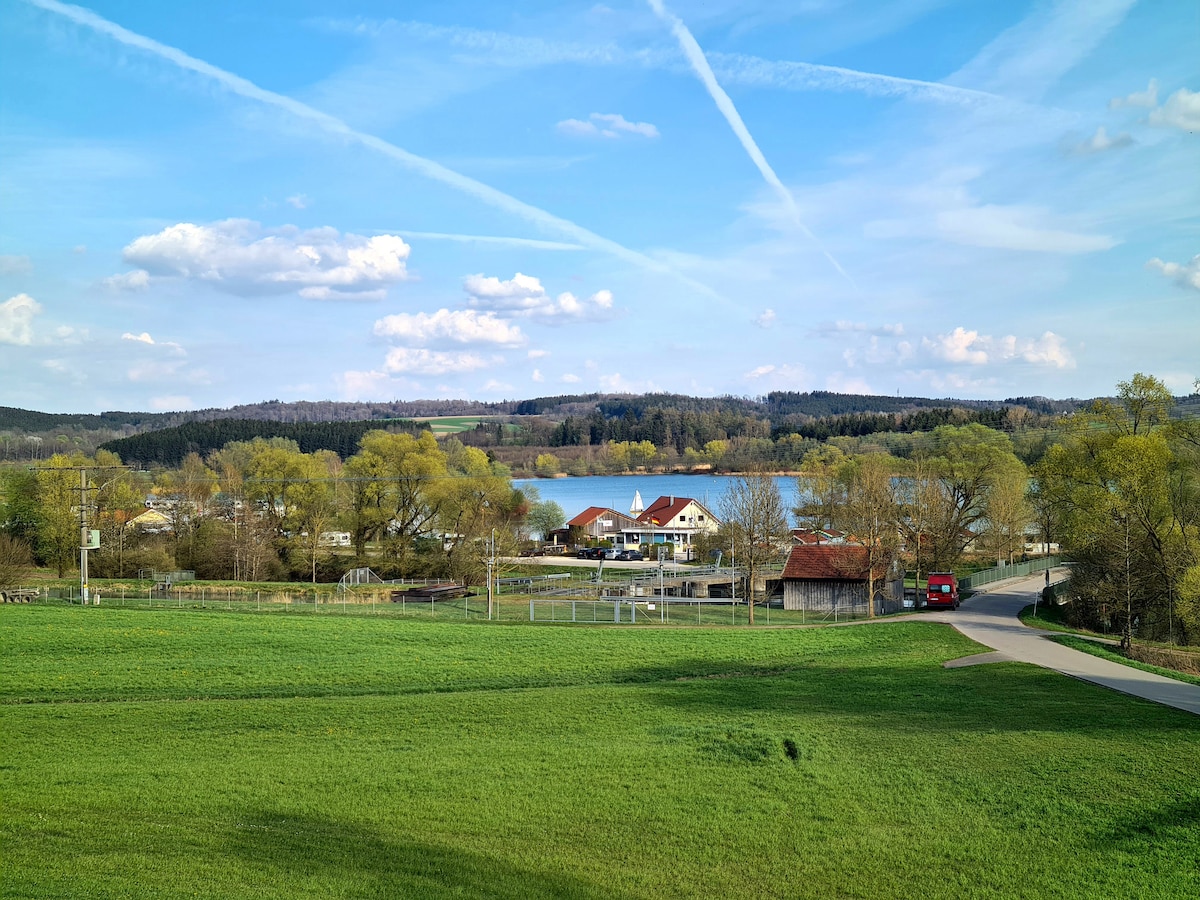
829,578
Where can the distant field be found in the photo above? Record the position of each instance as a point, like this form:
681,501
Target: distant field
451,424
147,753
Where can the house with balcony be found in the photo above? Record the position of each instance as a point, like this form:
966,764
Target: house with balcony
599,523
672,520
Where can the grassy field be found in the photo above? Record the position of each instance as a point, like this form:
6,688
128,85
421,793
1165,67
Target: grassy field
150,754
440,425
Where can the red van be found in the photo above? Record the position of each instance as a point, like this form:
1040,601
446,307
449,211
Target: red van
942,590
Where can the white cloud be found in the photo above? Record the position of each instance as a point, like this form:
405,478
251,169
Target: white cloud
524,295
520,292
960,346
240,257
570,379
1030,57
458,326
1048,350
1185,274
783,376
537,354
1182,111
419,361
1014,228
1100,141
615,383
355,385
846,384
1147,98
16,319
79,248
766,319
609,125
137,280
537,376
170,403
298,201
963,347
15,265
145,338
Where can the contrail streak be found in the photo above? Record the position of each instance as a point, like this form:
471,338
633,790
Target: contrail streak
704,71
335,126
489,239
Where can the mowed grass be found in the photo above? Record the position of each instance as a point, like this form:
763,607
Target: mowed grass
158,754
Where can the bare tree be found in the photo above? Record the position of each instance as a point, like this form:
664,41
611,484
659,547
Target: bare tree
15,560
871,514
755,523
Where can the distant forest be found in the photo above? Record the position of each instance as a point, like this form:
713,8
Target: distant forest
676,424
774,406
169,446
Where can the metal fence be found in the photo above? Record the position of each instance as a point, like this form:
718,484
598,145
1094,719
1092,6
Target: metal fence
680,611
1019,570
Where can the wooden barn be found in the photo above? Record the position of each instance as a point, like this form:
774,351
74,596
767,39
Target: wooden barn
822,578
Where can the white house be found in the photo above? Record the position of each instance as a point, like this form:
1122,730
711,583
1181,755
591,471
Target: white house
672,520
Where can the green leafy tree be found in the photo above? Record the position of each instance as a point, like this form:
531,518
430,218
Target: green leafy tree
544,517
58,527
1124,480
396,486
547,464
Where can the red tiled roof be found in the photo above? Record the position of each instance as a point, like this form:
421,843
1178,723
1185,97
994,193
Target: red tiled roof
665,511
590,515
839,562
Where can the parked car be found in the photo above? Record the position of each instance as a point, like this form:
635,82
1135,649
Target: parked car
590,553
942,590
631,555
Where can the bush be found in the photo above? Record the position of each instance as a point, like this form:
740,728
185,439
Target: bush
15,559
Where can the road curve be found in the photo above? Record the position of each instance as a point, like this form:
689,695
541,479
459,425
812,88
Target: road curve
990,619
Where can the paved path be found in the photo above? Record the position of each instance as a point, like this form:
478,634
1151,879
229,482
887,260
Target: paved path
991,619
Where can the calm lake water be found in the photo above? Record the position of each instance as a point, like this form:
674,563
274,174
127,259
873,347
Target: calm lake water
575,495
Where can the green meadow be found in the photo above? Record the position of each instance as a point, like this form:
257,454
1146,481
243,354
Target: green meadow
167,753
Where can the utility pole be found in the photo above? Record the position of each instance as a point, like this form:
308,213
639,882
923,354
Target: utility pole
85,539
89,539
490,565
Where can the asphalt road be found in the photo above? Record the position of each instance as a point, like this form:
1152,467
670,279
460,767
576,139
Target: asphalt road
991,619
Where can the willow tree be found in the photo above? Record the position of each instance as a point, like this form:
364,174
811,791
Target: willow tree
394,488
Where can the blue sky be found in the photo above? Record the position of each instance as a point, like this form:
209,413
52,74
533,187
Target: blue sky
204,204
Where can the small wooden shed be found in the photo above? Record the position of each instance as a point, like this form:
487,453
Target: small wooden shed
822,578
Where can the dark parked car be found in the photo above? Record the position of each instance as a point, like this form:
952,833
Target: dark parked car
631,555
591,553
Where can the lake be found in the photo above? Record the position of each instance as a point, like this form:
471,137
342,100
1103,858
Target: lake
575,494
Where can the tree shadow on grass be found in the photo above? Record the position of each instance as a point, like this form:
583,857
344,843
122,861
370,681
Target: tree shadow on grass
1175,824
998,697
304,855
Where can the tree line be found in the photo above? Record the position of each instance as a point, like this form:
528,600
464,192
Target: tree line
257,510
